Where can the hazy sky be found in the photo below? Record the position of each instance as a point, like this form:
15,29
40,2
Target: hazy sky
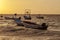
36,6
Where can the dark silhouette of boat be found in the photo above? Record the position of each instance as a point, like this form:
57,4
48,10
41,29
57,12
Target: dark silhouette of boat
9,18
1,17
12,18
40,17
32,25
27,15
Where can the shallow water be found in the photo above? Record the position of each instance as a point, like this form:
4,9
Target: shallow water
31,34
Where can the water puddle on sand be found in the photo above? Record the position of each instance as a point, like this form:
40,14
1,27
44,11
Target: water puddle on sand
7,23
51,28
3,24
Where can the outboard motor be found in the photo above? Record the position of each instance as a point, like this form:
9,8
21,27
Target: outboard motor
19,17
44,26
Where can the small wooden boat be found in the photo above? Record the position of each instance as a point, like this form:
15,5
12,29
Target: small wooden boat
27,17
11,18
32,25
35,26
27,14
8,18
40,17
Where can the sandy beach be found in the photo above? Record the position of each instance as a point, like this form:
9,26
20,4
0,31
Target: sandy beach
52,33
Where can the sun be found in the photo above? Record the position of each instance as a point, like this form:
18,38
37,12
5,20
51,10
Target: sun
1,3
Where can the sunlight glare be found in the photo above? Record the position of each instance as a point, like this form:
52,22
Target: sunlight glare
1,4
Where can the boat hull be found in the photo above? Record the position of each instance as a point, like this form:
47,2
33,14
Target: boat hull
27,17
35,26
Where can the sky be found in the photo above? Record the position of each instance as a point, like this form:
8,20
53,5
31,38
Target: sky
35,6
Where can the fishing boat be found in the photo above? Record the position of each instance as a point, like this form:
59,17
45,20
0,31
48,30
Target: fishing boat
33,25
40,17
11,18
27,14
27,17
8,18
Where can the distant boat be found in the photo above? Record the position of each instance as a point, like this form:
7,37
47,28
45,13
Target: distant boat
40,17
32,25
1,17
27,15
9,18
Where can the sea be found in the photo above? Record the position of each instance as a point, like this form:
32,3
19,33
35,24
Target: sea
52,33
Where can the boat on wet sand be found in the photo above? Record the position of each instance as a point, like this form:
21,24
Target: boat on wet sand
39,17
8,18
27,15
32,25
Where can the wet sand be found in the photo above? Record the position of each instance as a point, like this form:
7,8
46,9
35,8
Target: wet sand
52,33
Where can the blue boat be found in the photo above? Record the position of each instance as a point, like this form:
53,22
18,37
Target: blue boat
18,22
8,18
32,25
